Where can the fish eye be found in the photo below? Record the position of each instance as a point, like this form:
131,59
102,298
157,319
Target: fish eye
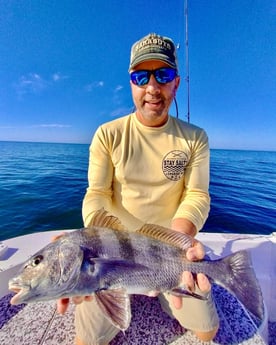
92,264
37,260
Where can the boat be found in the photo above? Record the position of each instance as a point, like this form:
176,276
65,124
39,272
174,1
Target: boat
39,323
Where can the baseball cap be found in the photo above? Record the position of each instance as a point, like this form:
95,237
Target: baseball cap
153,47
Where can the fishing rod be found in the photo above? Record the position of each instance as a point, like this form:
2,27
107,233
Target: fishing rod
187,59
187,77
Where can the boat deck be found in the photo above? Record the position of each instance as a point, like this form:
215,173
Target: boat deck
39,324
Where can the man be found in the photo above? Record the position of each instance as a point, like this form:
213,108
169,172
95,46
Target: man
149,167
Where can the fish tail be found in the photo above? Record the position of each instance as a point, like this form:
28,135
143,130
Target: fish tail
236,273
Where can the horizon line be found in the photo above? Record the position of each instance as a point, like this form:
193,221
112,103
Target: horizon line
88,143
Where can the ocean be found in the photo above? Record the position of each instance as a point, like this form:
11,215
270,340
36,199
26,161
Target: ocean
42,186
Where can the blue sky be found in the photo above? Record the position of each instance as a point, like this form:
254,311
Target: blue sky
63,66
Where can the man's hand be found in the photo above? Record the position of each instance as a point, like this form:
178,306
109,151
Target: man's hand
194,253
63,303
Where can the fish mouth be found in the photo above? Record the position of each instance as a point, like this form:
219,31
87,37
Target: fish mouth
20,293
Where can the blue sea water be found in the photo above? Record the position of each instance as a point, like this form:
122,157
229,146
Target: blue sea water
243,192
42,186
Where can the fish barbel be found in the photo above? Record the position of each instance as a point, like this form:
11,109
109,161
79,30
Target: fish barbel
112,263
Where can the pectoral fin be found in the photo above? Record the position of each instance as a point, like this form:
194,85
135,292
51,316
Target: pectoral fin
115,305
181,292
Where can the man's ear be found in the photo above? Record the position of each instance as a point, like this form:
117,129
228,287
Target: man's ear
177,83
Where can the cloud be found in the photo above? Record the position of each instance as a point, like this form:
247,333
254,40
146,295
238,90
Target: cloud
30,83
51,125
119,88
43,125
120,111
117,95
34,83
96,84
58,76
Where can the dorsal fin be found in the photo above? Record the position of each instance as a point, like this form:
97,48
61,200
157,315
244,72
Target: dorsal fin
105,220
169,236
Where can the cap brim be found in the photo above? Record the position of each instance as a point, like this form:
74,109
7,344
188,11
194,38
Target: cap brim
152,56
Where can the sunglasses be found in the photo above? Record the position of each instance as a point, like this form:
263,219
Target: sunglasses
162,75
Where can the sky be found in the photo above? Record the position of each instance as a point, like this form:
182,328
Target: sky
64,66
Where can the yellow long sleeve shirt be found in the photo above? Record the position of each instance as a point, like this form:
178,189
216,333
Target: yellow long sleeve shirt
148,174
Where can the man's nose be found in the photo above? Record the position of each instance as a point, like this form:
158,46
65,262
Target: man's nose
152,85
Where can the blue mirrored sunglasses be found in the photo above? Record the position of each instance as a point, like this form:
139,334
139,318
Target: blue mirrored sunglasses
162,76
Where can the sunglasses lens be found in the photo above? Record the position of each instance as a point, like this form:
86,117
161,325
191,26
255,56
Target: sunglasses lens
162,76
140,77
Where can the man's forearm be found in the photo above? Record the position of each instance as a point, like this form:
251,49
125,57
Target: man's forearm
184,225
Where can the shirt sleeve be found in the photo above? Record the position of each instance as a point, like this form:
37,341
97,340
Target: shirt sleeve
195,200
100,175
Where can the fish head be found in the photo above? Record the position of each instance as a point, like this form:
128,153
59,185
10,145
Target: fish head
48,274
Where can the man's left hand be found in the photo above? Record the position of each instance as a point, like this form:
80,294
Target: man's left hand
194,253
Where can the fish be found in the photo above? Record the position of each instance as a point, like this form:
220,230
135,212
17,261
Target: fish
111,263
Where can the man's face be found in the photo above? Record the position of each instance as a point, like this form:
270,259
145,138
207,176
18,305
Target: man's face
153,100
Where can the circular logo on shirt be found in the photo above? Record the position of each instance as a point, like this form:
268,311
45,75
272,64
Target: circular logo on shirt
173,165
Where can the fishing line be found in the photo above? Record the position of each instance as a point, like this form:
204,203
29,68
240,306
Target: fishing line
41,342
